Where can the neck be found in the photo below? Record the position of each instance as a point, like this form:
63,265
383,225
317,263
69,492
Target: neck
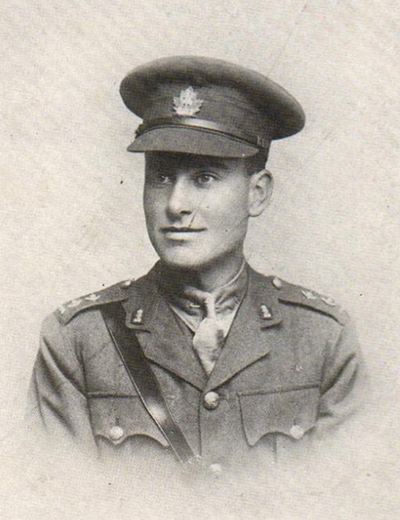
210,277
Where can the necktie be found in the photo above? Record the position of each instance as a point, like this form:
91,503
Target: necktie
209,337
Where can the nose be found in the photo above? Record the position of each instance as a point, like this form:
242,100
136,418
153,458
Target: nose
180,200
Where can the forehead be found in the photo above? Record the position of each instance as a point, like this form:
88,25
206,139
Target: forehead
191,161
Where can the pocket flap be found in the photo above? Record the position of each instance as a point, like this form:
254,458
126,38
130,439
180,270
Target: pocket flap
292,412
118,417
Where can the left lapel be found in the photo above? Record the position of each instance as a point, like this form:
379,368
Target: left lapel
159,334
169,347
255,330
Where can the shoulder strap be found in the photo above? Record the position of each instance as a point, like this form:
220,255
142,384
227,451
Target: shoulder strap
116,293
144,381
297,295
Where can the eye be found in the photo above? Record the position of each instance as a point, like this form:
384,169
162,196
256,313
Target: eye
165,178
161,178
204,178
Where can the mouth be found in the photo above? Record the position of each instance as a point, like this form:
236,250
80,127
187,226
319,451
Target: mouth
181,231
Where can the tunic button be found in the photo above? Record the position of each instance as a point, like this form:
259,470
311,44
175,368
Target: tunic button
216,469
277,283
297,432
116,433
211,400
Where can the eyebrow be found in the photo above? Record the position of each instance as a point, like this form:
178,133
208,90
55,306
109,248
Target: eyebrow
215,164
201,164
221,165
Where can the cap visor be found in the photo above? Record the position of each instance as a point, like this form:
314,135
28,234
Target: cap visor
192,141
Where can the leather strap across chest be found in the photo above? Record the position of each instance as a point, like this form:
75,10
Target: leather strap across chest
144,381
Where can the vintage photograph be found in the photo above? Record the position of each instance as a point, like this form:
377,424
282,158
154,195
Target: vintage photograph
200,260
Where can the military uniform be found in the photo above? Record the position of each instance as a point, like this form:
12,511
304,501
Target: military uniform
287,373
290,364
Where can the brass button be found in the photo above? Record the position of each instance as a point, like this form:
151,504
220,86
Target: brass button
297,432
116,433
277,283
216,469
211,400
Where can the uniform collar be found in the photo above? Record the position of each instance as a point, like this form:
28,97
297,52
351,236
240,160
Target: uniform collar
179,292
255,330
188,304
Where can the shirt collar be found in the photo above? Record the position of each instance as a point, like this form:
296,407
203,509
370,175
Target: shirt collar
227,297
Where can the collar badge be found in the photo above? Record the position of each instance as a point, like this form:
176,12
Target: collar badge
187,104
138,319
265,312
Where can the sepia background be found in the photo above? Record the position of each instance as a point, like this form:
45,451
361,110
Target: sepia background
71,215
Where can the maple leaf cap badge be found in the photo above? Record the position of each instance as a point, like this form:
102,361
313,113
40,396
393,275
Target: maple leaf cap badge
187,104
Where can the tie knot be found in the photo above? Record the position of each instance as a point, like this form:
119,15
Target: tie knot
205,299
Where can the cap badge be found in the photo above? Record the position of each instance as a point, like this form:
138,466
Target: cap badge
187,104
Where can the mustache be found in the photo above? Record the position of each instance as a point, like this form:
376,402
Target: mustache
182,229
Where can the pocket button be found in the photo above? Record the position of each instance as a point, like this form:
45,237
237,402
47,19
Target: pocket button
297,432
116,433
216,469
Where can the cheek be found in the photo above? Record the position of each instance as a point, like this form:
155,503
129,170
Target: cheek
148,206
151,205
234,209
230,219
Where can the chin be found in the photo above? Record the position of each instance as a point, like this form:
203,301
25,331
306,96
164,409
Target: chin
183,262
193,258
179,256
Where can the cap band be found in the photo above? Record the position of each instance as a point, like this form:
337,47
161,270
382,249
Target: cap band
203,124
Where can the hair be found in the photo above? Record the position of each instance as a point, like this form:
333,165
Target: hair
256,163
253,164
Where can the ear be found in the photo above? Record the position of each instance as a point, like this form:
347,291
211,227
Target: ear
260,192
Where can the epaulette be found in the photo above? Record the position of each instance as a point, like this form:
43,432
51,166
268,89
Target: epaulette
114,293
297,295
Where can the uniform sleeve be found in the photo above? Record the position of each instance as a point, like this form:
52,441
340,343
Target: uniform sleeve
344,380
57,402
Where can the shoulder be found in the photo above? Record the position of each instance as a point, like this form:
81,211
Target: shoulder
115,293
297,296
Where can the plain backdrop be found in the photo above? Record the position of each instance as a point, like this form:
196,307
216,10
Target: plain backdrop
70,198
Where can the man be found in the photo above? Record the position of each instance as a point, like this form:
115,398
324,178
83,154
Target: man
202,358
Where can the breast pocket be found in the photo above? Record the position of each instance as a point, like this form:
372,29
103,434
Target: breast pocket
292,413
119,418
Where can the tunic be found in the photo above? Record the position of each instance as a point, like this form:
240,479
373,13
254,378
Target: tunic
288,376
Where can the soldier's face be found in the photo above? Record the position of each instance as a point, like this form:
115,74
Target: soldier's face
196,207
